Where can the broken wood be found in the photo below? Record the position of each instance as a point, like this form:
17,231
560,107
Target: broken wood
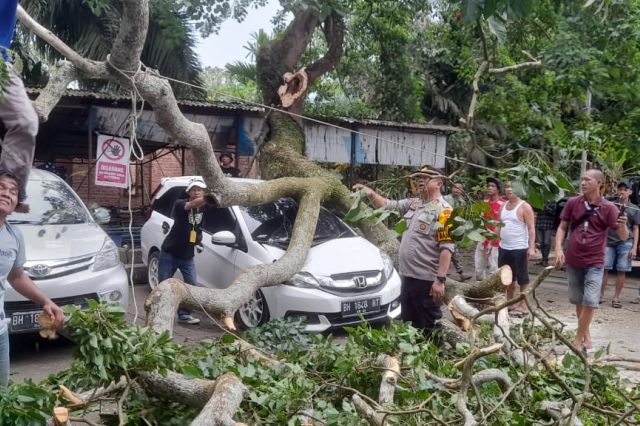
391,365
367,412
295,86
60,416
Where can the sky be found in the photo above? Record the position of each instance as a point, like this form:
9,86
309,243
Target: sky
227,46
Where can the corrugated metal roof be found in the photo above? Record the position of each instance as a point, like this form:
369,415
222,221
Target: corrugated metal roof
226,105
243,106
396,124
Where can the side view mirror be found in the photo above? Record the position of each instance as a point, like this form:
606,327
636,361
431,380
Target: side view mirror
224,238
165,227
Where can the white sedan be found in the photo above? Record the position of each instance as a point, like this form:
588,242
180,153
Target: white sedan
345,278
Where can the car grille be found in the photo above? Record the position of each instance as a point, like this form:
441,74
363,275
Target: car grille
27,305
355,283
44,270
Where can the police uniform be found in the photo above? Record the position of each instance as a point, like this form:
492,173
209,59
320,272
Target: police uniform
426,236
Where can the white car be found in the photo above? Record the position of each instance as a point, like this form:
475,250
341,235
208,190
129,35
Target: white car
344,278
68,256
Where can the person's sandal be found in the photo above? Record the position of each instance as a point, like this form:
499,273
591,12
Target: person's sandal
636,300
616,303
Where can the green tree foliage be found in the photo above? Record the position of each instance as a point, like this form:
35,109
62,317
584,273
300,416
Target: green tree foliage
315,371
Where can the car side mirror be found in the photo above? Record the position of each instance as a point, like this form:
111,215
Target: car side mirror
165,227
224,238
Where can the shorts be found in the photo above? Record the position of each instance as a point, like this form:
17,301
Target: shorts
518,261
584,285
619,255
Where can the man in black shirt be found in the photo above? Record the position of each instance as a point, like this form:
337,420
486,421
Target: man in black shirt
178,248
226,161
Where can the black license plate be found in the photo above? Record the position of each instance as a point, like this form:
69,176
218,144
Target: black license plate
357,307
23,321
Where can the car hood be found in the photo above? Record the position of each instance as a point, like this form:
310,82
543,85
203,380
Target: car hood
50,242
341,255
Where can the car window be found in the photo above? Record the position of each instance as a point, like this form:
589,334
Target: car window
51,202
164,204
217,219
272,223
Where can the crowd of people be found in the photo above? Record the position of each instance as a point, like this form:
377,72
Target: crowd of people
593,235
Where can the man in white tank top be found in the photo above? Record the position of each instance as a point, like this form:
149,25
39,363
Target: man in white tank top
517,243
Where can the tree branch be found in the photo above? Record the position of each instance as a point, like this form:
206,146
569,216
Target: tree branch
334,35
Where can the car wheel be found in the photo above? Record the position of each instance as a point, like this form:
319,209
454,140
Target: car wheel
253,313
153,269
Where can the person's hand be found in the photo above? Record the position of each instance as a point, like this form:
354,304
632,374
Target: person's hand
531,254
633,253
559,259
54,312
359,187
437,291
622,219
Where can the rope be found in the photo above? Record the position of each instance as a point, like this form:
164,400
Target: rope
138,154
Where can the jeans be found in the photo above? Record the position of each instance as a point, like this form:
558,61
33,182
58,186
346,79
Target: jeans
4,359
168,266
544,238
21,121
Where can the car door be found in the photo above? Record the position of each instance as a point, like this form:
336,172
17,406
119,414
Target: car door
215,263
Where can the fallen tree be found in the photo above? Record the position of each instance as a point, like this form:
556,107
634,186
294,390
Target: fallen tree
151,379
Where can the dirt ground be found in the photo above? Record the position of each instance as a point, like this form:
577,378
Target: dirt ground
611,326
617,327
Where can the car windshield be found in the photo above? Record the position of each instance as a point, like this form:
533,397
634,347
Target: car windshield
272,223
51,202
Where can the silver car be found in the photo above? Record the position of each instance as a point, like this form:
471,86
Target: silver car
69,257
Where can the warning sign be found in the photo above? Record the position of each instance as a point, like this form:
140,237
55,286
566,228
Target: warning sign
112,164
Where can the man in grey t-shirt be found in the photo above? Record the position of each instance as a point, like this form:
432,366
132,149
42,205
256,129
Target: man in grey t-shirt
425,250
621,253
12,257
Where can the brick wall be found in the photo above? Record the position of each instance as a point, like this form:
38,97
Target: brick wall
147,177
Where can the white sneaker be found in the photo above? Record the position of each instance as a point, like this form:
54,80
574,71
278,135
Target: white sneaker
188,319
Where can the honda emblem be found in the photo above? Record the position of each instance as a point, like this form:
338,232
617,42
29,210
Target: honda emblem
360,281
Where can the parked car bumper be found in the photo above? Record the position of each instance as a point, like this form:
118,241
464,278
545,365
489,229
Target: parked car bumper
322,311
110,285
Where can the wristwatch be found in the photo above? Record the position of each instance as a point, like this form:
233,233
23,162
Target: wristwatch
442,279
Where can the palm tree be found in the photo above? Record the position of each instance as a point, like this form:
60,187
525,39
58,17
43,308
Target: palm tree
169,48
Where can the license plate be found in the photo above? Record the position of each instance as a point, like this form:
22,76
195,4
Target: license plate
21,321
357,307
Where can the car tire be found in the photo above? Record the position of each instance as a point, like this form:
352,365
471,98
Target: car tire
153,269
253,313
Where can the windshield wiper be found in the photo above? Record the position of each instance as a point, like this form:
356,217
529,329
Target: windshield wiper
24,222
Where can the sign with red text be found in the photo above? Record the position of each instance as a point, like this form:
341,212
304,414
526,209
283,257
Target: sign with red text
112,161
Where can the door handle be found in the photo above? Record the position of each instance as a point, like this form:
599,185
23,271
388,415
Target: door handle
199,248
165,227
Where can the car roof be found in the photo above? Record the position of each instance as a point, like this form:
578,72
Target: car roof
38,174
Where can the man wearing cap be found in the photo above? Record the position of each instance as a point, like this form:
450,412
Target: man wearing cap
12,259
226,164
620,253
486,257
425,249
178,248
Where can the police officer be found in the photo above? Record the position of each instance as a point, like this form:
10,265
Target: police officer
425,250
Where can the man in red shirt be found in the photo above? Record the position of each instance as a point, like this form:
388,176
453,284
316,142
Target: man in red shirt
589,217
486,257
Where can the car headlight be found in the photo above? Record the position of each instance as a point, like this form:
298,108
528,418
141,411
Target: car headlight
388,265
303,280
107,257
